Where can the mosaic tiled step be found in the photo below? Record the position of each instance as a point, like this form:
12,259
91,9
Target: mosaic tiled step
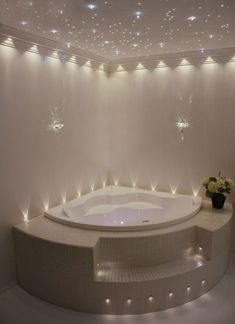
115,273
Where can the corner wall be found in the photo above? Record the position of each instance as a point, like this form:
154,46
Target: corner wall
123,123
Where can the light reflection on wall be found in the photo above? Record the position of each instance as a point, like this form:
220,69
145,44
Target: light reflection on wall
46,203
173,189
25,213
116,180
63,197
104,183
195,191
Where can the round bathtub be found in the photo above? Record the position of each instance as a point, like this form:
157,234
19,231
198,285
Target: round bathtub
126,209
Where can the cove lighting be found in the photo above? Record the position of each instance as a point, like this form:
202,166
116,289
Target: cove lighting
34,49
8,42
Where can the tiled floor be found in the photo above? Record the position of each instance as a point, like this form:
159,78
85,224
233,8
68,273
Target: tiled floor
215,307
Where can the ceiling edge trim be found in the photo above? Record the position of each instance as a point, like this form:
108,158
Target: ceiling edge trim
173,60
29,42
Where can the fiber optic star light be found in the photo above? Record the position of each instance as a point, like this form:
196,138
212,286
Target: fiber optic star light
138,14
159,28
192,18
182,123
91,6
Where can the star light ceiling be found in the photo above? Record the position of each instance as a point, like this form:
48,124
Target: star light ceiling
122,29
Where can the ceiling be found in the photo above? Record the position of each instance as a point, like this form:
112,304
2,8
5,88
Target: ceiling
117,29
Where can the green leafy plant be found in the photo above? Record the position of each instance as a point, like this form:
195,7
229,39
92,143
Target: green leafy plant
215,185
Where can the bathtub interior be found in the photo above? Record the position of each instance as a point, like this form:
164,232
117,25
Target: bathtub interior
120,208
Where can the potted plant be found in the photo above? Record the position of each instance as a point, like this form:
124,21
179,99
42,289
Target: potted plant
216,188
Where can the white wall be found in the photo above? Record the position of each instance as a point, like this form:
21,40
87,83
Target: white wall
38,166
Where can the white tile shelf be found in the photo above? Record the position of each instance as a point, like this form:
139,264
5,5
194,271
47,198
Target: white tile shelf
83,269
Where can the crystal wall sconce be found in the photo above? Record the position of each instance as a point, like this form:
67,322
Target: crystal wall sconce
56,124
182,123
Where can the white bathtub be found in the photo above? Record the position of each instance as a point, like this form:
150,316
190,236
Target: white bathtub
125,209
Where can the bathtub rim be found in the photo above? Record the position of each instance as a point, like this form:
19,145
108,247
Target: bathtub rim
57,213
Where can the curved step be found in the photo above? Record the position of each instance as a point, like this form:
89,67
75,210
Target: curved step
115,273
